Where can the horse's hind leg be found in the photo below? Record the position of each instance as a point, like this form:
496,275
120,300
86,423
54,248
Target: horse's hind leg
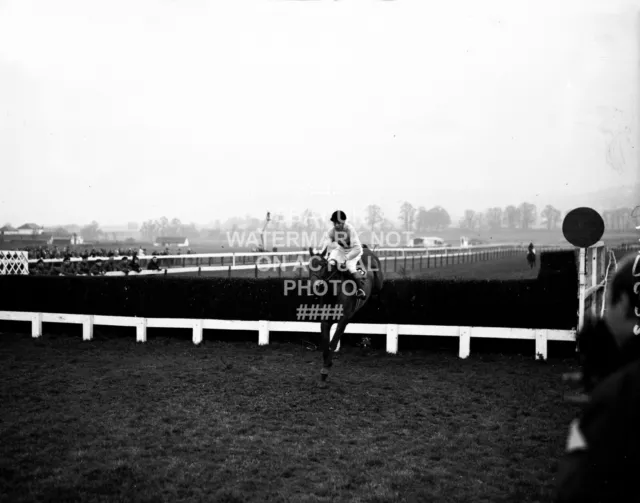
340,328
331,345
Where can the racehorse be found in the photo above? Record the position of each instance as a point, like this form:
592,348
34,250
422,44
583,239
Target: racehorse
323,275
531,259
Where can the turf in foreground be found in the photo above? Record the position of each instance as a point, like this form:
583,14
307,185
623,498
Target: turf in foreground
112,420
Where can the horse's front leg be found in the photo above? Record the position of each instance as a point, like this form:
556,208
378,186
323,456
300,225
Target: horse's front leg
325,334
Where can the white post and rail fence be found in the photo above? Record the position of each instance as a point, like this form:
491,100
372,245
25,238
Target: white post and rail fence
592,283
264,327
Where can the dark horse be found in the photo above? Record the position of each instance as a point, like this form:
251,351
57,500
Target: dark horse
325,276
531,259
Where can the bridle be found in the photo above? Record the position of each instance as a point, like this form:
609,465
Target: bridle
325,264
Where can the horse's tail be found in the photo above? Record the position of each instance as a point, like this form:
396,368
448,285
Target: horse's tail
378,275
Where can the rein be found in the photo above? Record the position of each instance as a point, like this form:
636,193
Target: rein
328,278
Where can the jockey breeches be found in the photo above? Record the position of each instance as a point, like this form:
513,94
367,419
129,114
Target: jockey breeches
340,256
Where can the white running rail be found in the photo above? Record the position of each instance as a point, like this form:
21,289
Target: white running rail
264,327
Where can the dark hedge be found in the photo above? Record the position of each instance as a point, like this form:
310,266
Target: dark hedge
545,303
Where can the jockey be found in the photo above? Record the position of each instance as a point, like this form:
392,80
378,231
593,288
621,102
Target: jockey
348,249
532,249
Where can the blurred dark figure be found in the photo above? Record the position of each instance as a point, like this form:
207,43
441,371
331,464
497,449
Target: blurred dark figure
83,266
153,264
124,265
110,265
134,265
531,256
67,268
602,455
96,268
40,269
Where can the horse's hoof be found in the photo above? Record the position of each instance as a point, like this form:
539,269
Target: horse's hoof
322,384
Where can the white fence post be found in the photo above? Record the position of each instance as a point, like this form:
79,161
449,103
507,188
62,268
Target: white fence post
582,287
594,278
263,332
36,325
602,277
392,339
541,344
87,328
141,330
465,342
197,331
591,281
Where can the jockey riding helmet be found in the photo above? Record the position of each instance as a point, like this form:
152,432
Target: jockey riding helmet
338,216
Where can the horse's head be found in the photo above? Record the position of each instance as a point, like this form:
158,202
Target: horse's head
320,270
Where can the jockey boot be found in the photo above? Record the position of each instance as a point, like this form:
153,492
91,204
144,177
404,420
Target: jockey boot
360,284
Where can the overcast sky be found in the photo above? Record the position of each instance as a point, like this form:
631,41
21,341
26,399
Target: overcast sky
127,110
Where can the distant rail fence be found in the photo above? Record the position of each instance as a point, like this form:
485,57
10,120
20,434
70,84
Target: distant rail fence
392,258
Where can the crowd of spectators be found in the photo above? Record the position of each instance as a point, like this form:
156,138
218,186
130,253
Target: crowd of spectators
97,267
93,261
54,252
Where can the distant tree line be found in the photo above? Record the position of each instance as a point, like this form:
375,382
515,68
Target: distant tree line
152,229
420,219
524,216
437,218
622,219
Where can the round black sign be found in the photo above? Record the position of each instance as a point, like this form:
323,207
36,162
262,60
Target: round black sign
583,227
